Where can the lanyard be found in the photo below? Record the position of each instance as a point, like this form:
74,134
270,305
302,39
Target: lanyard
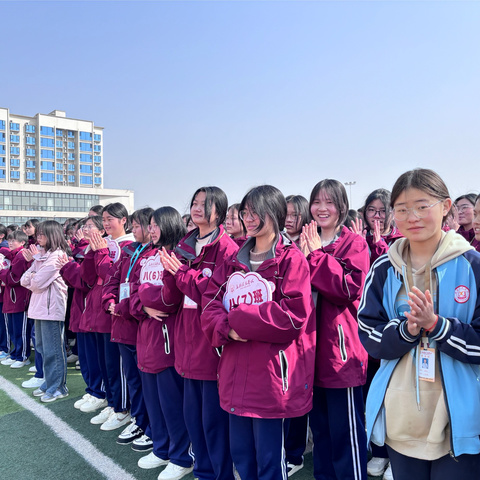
428,273
134,258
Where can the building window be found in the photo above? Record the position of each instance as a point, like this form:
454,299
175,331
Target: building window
85,147
14,151
97,137
59,178
71,134
2,149
14,127
2,127
30,176
97,148
85,169
47,142
2,137
47,177
15,138
2,173
46,153
98,158
59,133
98,169
98,181
59,144
59,155
84,157
71,178
71,156
85,136
14,162
15,174
85,180
30,140
30,163
47,131
71,167
47,165
2,162
71,144
59,166
30,152
30,128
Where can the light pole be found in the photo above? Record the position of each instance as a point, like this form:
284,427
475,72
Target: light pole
349,184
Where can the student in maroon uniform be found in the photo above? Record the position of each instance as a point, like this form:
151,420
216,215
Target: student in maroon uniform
199,253
298,215
15,303
116,301
476,224
339,262
234,226
31,231
94,269
162,385
465,205
268,339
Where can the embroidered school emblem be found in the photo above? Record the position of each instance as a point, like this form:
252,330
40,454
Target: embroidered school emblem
462,294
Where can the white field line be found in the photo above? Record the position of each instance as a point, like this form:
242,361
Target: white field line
100,462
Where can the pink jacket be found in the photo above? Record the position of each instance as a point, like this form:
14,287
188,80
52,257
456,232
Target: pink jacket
381,247
195,357
49,291
338,273
270,375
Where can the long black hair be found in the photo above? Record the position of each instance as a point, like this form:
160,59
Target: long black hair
53,231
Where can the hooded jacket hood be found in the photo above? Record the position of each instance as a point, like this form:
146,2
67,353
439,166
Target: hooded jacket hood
451,246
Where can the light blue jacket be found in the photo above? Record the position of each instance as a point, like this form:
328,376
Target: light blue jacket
384,335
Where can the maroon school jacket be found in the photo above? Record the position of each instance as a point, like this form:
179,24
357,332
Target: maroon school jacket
15,297
195,358
337,273
155,339
270,375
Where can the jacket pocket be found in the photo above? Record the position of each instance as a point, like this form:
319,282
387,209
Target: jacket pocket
341,343
166,338
283,370
49,296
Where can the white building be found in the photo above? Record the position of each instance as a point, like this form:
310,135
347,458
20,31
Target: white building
51,166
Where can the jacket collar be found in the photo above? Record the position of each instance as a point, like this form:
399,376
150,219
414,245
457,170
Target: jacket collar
186,246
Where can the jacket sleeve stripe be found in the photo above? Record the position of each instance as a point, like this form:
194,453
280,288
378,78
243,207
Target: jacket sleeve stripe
459,344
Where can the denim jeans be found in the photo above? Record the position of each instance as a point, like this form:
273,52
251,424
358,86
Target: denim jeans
50,344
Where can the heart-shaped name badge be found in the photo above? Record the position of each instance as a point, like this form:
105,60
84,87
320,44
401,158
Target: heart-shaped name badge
152,270
113,249
249,288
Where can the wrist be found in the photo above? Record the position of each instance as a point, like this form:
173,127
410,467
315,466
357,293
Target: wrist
432,327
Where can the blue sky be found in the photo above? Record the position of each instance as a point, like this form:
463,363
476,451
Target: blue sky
237,94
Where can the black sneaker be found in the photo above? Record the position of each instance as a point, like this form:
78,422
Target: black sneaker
129,434
142,444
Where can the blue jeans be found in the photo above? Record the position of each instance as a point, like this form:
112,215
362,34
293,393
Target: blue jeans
50,344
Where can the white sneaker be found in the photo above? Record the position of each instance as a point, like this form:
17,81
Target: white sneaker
19,364
116,420
174,472
151,461
142,444
376,466
292,468
33,369
8,361
102,417
34,382
80,402
72,358
93,404
130,433
388,475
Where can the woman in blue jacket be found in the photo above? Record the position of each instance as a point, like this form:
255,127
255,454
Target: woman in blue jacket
420,314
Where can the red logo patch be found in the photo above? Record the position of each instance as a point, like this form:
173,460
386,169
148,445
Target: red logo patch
462,294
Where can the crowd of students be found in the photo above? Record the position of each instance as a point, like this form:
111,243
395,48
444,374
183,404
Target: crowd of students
216,340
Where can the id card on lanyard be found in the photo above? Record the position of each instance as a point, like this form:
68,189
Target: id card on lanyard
124,291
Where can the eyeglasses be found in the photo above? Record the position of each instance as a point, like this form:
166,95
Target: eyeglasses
371,212
243,214
420,211
152,227
464,207
88,227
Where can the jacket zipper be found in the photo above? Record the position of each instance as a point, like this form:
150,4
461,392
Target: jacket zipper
341,337
283,370
167,339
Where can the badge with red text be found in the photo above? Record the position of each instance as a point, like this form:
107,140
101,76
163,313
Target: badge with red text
113,249
152,270
462,294
4,262
249,288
